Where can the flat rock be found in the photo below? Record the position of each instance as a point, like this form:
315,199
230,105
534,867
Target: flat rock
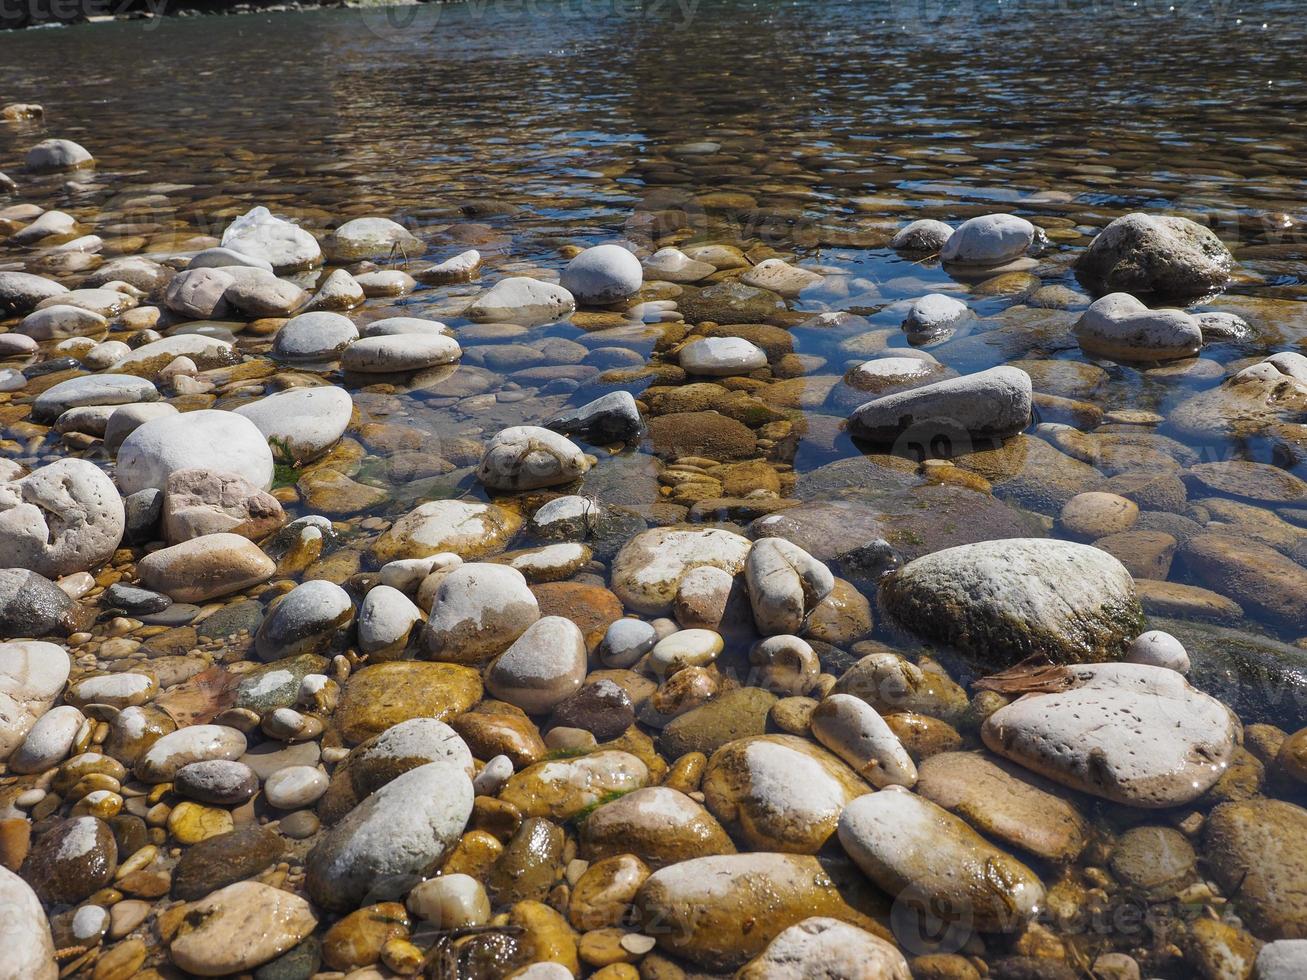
920,853
467,528
205,439
647,572
240,927
95,389
991,404
718,912
1120,327
1254,853
1130,733
382,695
205,567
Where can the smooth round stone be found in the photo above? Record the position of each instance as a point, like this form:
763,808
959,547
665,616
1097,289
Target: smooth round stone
922,235
300,825
403,829
479,610
601,275
382,695
451,901
32,605
205,567
90,922
386,618
1131,733
670,264
240,927
206,439
1157,648
990,239
779,792
49,741
917,851
493,775
467,528
780,277
1120,327
54,155
285,246
403,325
528,457
295,787
785,585
316,336
718,912
220,258
21,292
563,788
722,356
72,860
390,353
601,707
855,731
823,947
385,282
989,404
32,675
684,648
626,641
17,345
221,782
543,667
118,690
196,743
935,316
399,748
660,825
302,423
94,389
306,620
126,419
1092,515
60,320
25,931
62,518
12,380
1284,959
647,572
370,238
522,300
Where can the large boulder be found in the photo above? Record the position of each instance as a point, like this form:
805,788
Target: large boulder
1002,601
1158,255
207,439
63,518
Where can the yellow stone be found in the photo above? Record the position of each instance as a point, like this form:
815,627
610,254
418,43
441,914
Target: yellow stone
190,823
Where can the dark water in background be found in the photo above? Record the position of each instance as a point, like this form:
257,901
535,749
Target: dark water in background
833,122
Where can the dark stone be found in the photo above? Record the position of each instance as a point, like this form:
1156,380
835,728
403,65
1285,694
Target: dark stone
224,860
299,963
144,510
529,866
52,366
602,708
610,418
31,605
71,861
216,781
230,620
736,714
133,601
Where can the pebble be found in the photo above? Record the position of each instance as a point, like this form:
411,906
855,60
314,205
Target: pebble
302,423
988,240
479,610
626,641
990,404
222,782
722,357
308,619
452,901
854,731
196,743
280,243
391,353
601,275
295,787
528,457
542,668
785,585
32,674
820,946
1157,648
205,568
519,299
386,618
316,336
